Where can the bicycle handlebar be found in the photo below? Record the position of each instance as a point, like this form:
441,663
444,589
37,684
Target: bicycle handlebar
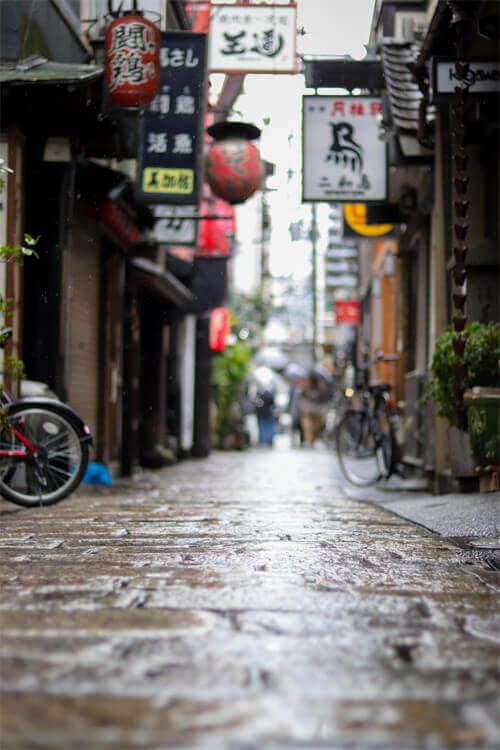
383,358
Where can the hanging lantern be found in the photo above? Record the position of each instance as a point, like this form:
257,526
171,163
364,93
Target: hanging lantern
212,240
234,169
220,328
132,59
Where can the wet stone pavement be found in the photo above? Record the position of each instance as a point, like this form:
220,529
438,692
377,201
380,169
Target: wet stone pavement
243,602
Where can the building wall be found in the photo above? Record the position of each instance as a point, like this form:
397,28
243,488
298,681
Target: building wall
82,321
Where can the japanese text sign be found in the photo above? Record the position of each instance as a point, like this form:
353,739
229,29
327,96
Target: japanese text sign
172,127
132,60
253,38
344,159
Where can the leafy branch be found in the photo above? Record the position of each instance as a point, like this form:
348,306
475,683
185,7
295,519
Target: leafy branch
14,254
18,253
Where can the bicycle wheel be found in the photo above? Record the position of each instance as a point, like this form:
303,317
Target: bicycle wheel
386,442
60,461
357,449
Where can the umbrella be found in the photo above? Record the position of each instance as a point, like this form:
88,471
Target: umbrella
322,372
295,371
265,377
271,357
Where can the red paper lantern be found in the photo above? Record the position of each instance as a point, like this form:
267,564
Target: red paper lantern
234,169
212,240
132,60
220,328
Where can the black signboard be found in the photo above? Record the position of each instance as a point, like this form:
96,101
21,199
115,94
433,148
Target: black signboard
171,144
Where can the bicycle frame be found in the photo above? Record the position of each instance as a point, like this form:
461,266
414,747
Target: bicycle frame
19,453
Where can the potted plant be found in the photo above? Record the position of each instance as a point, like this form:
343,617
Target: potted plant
481,358
230,369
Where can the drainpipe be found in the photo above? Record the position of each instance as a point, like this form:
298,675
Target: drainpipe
461,23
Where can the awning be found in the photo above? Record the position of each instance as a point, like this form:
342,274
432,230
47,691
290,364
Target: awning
44,98
37,69
405,97
160,283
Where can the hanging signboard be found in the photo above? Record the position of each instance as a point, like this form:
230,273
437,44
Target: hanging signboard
478,76
347,311
170,158
174,225
253,38
344,159
354,224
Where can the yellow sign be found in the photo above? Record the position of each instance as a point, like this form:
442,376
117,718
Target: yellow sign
355,217
162,180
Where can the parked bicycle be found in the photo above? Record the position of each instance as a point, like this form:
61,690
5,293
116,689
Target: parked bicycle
366,442
44,448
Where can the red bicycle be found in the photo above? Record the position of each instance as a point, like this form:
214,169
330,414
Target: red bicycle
44,449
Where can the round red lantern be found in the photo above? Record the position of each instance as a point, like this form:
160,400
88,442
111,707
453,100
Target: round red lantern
132,60
234,169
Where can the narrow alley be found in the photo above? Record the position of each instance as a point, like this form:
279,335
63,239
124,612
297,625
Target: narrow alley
242,601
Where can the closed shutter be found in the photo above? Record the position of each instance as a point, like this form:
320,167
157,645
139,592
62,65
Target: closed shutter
82,322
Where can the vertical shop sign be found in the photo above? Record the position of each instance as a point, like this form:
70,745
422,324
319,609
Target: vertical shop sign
170,158
344,159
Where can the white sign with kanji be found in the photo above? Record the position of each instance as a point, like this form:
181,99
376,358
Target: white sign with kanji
173,224
253,38
344,159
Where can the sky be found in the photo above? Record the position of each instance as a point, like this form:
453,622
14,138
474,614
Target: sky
274,103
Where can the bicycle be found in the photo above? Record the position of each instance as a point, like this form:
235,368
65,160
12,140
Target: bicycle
44,448
366,444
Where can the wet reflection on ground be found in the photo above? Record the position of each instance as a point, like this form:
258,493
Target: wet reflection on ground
241,601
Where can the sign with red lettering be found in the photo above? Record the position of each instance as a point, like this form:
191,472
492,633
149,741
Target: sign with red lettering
347,311
344,160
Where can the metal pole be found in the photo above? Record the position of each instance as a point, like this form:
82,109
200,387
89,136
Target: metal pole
314,282
264,268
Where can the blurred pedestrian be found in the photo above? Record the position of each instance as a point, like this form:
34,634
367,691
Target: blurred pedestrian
294,410
312,408
264,409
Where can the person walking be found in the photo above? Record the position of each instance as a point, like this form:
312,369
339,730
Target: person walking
264,409
293,410
312,405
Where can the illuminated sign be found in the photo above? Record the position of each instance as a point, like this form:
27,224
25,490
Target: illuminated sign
355,222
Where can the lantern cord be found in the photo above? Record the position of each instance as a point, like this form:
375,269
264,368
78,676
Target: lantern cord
117,13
